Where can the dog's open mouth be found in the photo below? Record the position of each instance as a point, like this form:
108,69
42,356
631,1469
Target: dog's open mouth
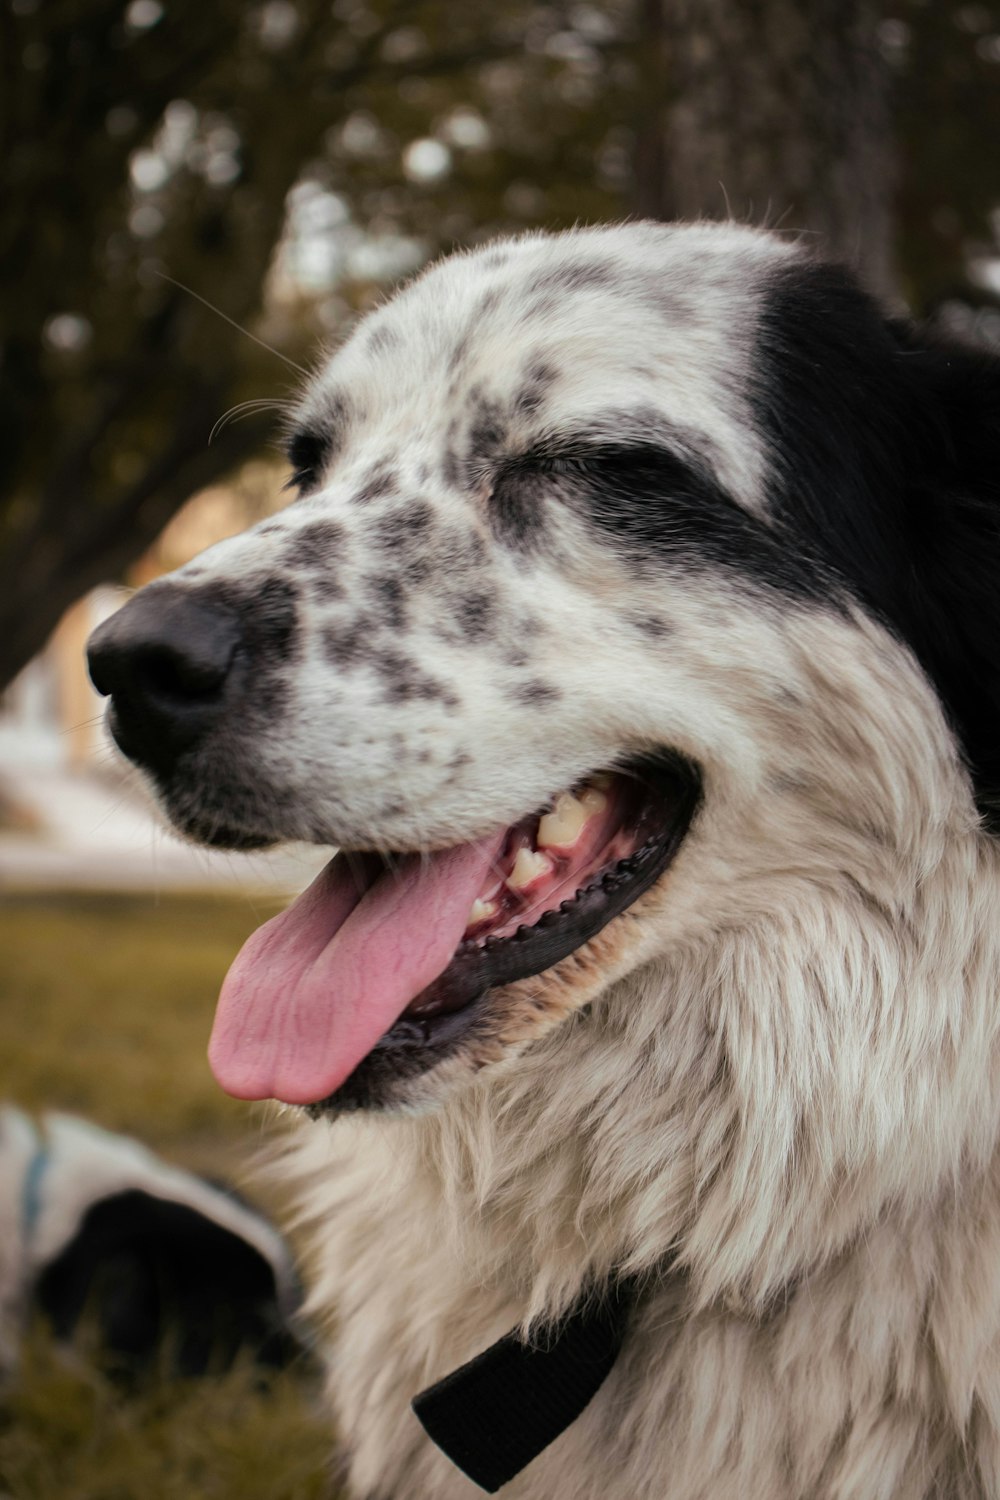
394,954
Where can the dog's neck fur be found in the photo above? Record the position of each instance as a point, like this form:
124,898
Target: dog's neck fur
835,1283
795,1103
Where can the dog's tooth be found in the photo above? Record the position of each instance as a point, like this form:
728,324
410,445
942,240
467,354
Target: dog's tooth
481,911
594,800
560,828
529,866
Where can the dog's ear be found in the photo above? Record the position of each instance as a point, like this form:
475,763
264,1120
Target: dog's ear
886,463
952,512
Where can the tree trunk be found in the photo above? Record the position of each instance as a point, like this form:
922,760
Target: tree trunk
771,112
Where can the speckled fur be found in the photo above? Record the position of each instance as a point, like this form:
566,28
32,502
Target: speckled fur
778,1072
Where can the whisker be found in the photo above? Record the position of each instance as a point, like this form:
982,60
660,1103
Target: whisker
300,369
83,724
246,408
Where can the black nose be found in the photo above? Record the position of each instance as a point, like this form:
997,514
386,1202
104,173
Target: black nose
166,661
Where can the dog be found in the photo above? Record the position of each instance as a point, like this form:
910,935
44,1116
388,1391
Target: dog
161,1269
636,635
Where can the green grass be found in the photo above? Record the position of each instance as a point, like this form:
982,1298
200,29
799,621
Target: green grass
107,1003
105,1007
67,1433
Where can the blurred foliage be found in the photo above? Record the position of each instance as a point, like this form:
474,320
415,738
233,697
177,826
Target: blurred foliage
945,55
285,159
68,1433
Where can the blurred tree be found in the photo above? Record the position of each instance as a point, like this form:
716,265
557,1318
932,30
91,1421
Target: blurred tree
774,110
175,139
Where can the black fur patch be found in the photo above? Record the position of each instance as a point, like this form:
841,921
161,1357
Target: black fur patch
574,277
415,567
351,644
654,627
538,378
403,524
460,551
536,692
389,594
661,507
379,481
160,1278
325,587
887,467
312,449
487,437
517,506
315,545
406,681
451,469
475,614
273,622
459,353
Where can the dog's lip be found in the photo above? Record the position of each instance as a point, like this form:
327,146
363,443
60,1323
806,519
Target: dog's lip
435,1024
662,815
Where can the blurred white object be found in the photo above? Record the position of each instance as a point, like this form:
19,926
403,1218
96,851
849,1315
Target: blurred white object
161,1263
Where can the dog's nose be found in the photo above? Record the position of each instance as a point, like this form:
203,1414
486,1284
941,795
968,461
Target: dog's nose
166,662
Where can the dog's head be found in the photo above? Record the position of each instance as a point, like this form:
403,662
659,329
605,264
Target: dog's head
639,593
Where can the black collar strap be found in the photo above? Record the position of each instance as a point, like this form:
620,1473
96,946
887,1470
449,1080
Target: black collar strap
495,1414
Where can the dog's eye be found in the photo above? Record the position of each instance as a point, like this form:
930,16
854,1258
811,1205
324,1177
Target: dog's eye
307,453
552,463
544,464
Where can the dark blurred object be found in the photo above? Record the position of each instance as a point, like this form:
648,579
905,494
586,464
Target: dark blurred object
157,1265
778,112
164,137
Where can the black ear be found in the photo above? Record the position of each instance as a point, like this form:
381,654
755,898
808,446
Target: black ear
953,511
886,444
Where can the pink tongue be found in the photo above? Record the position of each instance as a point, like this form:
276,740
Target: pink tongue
312,991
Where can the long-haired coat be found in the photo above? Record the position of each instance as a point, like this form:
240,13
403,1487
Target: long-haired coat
636,633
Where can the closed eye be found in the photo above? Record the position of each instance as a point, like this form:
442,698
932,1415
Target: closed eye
308,453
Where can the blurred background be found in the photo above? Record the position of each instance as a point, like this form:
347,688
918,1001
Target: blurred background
197,198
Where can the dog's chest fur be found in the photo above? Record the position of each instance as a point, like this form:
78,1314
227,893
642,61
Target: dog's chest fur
876,1376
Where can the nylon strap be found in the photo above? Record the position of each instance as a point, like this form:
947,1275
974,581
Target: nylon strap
492,1416
31,1190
